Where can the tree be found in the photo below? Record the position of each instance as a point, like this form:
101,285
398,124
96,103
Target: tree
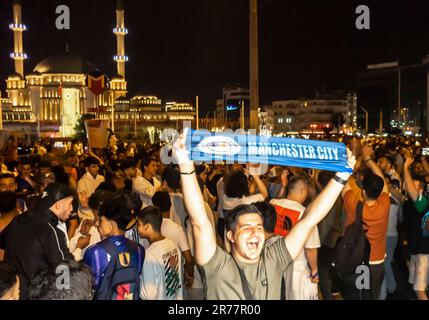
80,129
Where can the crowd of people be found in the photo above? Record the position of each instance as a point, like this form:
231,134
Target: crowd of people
118,224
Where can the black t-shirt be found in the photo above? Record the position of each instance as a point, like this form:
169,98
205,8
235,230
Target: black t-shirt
413,224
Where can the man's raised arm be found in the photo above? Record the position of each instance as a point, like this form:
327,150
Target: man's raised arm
317,210
409,184
204,239
367,153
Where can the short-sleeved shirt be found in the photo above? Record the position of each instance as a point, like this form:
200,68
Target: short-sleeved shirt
375,220
231,203
421,204
222,278
413,215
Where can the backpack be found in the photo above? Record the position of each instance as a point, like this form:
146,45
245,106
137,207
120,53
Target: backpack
121,280
352,249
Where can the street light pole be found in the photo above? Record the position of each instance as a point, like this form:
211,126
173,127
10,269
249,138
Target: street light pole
399,96
366,120
254,64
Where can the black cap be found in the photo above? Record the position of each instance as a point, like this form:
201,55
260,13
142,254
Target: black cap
53,193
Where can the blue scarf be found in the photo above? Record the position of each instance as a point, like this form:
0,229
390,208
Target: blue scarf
242,148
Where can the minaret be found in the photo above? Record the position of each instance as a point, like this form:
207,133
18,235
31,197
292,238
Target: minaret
120,31
18,27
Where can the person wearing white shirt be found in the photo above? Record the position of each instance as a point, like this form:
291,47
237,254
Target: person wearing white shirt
303,285
170,230
395,216
175,232
161,278
147,184
85,236
171,183
87,185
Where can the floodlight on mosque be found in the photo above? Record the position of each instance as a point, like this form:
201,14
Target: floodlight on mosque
17,27
120,58
18,55
120,30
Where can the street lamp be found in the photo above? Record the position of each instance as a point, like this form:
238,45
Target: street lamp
366,120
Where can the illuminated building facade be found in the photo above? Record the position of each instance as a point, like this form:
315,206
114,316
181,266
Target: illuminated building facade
305,115
49,101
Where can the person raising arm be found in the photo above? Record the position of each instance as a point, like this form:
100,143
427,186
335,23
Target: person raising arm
205,245
317,210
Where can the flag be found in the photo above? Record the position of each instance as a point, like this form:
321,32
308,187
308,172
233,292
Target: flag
96,83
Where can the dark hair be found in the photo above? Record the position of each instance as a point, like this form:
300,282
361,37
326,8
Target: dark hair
236,185
90,161
146,161
324,177
172,177
162,200
233,215
269,215
107,186
44,164
8,202
98,198
7,278
373,185
127,163
44,285
121,207
200,169
7,176
151,215
25,161
60,174
294,182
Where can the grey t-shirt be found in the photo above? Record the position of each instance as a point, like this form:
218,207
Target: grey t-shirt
222,279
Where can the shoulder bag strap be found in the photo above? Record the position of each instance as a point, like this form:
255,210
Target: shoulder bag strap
244,284
359,211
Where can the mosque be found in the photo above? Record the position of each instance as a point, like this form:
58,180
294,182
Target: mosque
49,101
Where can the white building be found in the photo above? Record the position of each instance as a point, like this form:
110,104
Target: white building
316,113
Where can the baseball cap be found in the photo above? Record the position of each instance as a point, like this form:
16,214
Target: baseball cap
53,193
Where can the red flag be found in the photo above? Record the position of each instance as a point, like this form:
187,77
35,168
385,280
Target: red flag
96,85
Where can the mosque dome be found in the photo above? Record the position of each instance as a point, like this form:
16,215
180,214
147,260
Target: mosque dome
65,63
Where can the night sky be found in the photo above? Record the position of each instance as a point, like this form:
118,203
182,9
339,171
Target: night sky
179,49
